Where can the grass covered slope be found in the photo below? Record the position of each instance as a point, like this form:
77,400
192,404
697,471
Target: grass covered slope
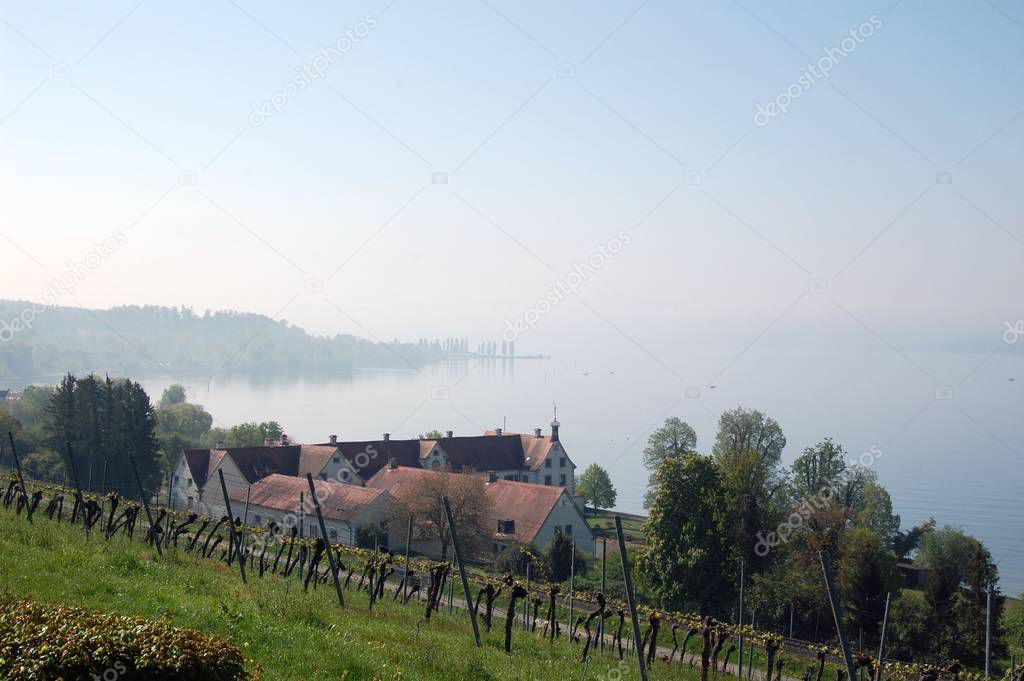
283,632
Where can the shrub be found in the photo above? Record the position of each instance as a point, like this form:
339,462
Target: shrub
369,536
515,557
46,642
561,557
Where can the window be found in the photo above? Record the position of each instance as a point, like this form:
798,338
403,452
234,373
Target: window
337,459
561,462
188,482
257,520
334,534
344,475
568,530
561,479
506,527
175,480
547,480
547,463
510,477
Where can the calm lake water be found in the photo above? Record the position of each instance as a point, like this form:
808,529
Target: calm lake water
952,448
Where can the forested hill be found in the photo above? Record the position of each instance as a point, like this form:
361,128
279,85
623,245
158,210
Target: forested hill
135,341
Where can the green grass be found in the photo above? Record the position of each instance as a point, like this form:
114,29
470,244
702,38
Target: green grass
284,633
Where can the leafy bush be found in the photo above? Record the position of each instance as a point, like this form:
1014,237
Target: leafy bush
371,536
46,642
515,557
561,557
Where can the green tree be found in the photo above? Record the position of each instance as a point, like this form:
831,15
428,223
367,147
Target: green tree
249,434
673,440
105,420
1013,626
910,621
905,543
174,394
747,450
188,420
748,430
560,557
960,571
820,466
595,485
876,513
687,558
867,572
430,435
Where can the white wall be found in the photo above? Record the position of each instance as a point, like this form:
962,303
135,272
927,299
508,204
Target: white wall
555,456
342,471
183,486
565,513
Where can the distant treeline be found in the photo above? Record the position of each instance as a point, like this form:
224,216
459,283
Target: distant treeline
141,340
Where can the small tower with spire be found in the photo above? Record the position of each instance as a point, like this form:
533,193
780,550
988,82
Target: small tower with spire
554,423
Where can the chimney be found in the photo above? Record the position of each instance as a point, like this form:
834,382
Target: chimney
387,437
536,432
449,433
497,431
334,439
284,440
392,463
554,430
492,477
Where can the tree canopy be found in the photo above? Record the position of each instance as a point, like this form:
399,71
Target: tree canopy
595,485
688,559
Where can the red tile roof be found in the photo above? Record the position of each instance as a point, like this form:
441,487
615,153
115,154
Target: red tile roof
337,501
527,504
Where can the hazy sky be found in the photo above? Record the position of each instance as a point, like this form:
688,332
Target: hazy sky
558,125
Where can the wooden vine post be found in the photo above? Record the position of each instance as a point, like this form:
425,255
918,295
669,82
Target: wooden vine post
881,643
145,504
327,543
572,583
739,674
630,599
408,544
462,567
78,486
837,613
604,590
21,478
231,522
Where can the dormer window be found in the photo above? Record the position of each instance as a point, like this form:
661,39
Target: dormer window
506,527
